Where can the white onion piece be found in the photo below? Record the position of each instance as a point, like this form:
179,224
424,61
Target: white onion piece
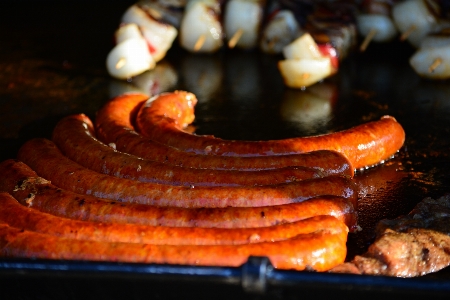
127,31
301,73
279,32
158,35
129,58
242,21
412,17
302,47
201,30
433,63
383,25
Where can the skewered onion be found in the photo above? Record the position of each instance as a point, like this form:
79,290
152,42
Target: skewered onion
201,30
383,25
301,73
279,32
304,64
302,47
158,35
414,19
433,63
129,58
242,21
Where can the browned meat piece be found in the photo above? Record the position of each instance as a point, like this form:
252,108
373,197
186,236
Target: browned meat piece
409,246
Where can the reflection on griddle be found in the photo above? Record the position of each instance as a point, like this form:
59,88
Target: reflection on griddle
202,74
309,110
161,79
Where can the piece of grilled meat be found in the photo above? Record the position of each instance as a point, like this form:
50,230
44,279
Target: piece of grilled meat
409,246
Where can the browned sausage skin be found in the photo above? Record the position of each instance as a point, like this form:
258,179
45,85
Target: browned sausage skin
163,117
73,136
44,157
16,215
114,125
320,250
23,184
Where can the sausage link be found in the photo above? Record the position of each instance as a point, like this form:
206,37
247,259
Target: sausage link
163,117
16,215
73,136
113,125
44,157
30,190
320,251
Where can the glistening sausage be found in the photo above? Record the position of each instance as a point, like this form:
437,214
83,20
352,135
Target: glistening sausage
163,117
24,185
16,215
320,250
73,136
44,157
114,126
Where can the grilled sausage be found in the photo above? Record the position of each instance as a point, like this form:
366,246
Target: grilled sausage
320,250
114,126
23,184
44,157
19,216
163,117
73,136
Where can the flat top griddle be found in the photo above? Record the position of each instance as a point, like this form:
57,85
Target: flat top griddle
52,58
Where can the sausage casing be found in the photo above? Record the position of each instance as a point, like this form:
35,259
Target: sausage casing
24,185
113,125
44,157
164,117
16,215
320,251
73,136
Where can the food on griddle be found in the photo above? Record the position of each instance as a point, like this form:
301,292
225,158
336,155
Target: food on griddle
74,137
375,22
280,30
305,64
334,26
163,118
78,193
432,58
242,22
30,190
113,126
317,251
158,33
130,56
39,154
201,27
16,215
409,246
415,19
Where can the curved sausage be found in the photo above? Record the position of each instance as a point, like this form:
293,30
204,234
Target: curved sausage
163,117
320,250
16,215
73,136
30,190
44,157
113,125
